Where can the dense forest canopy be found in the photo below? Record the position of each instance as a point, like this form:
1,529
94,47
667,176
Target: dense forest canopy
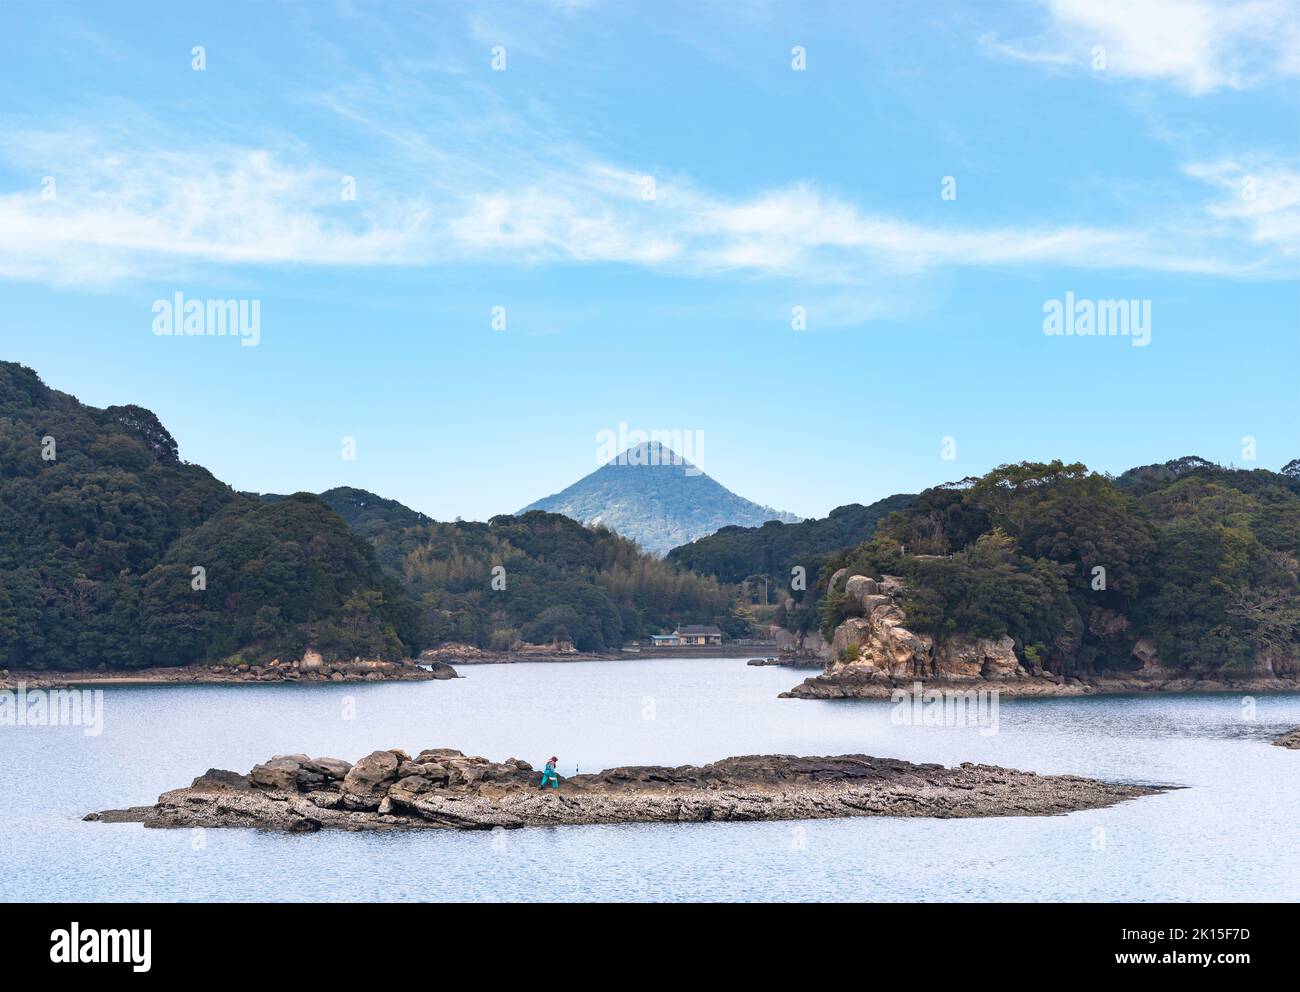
102,529
559,581
769,552
1076,566
113,551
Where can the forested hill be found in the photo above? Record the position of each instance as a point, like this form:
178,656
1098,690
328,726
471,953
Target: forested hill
1186,565
114,551
559,581
737,554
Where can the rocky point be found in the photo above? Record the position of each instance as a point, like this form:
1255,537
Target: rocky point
443,788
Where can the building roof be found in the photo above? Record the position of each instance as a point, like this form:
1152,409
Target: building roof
695,629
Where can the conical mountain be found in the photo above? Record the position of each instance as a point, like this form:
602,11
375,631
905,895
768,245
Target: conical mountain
655,497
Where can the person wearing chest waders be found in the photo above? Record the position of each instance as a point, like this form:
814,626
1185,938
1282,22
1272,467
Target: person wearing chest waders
548,774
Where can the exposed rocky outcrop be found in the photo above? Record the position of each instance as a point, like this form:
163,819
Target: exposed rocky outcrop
875,654
785,661
310,668
442,788
1290,739
877,650
469,654
802,648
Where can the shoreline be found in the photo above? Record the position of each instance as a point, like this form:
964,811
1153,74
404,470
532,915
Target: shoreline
443,789
858,686
469,655
1289,740
323,674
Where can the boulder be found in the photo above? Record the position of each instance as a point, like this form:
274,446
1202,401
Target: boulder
409,789
278,773
368,780
891,585
438,754
466,771
859,586
875,601
330,767
221,780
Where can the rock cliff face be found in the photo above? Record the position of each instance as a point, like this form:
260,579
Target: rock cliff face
872,655
442,788
797,647
1280,662
878,646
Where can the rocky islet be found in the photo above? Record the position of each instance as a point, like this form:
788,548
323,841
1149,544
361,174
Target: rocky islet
441,788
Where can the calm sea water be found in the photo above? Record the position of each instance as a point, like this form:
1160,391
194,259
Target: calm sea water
1233,832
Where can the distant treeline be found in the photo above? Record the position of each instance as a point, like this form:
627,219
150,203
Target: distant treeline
753,554
1076,567
113,551
558,580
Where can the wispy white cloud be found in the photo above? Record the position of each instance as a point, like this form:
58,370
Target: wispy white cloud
1258,194
117,212
123,213
1199,46
991,44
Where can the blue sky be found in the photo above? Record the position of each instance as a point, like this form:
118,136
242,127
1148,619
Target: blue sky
1145,150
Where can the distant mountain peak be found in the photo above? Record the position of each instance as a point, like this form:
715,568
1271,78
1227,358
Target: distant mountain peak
673,504
653,454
